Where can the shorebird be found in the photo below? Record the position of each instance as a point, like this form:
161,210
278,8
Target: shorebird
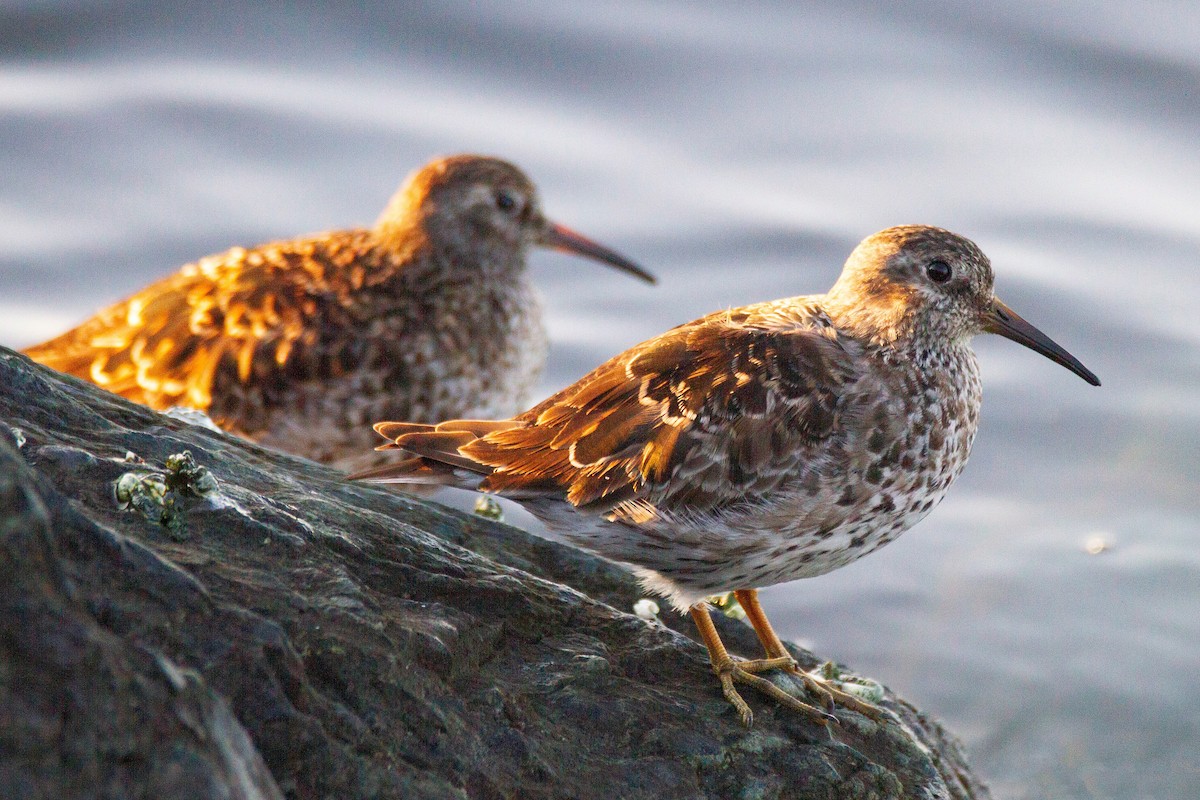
755,445
299,344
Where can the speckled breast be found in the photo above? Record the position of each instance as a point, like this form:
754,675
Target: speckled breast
906,437
902,451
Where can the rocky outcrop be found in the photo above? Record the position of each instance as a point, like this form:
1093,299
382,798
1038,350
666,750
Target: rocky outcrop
251,625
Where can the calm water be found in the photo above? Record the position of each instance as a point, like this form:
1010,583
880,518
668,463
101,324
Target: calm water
741,155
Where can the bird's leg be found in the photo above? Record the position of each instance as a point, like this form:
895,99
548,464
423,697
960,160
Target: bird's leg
731,672
748,600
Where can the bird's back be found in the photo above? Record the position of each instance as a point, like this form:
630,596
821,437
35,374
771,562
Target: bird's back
230,320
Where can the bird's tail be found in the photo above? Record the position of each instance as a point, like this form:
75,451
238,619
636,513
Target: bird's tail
434,456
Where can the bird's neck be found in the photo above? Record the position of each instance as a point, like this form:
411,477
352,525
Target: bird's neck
882,322
467,261
403,238
895,335
445,259
885,317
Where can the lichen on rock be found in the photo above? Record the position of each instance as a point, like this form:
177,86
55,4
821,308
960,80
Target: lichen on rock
161,496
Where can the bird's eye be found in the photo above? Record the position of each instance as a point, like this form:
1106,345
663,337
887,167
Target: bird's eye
505,200
938,271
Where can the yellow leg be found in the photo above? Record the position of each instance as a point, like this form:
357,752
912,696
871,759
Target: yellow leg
748,600
730,672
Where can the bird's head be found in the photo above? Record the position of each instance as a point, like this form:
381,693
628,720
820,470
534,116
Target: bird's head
929,287
484,213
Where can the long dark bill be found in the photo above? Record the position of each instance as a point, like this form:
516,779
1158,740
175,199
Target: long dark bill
558,237
1003,320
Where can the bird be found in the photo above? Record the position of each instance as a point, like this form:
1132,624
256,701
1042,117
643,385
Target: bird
299,344
755,445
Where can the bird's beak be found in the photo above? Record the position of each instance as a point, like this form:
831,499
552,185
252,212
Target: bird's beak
1003,320
558,237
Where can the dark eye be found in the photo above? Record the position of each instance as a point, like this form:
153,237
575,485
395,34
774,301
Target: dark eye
938,271
505,200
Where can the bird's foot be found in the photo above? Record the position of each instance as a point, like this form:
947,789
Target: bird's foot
732,672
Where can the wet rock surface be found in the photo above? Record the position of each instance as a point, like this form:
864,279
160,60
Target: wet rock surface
286,633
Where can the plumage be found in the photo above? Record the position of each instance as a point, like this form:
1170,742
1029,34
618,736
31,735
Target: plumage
298,344
761,444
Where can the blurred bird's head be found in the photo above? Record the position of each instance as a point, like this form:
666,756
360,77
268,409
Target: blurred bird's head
481,213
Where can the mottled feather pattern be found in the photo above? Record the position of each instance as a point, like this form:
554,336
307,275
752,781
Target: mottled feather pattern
764,420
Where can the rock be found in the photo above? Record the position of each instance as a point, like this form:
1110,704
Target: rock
285,633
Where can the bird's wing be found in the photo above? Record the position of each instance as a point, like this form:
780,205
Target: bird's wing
713,412
237,314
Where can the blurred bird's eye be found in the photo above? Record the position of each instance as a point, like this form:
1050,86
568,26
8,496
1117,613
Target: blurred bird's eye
938,271
505,200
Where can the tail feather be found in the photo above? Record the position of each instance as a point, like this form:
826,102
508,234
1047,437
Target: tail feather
435,453
442,448
393,430
418,471
476,427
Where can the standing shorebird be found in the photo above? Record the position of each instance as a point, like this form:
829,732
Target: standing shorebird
299,344
757,445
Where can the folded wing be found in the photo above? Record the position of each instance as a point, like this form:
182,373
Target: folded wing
717,411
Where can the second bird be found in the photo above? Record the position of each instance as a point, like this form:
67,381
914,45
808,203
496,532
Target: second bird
300,344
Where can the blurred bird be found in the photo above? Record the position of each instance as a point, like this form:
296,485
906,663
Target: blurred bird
756,445
298,344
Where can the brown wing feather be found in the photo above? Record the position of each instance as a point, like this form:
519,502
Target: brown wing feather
478,427
718,405
234,316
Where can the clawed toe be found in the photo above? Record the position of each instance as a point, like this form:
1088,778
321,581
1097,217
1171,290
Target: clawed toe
830,697
745,672
833,696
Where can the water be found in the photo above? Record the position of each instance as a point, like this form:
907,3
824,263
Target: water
740,154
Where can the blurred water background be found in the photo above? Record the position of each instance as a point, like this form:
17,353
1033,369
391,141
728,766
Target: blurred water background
739,150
